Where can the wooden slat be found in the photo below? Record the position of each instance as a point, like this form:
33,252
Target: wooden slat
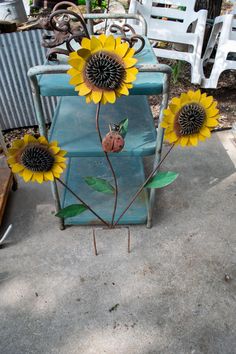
5,186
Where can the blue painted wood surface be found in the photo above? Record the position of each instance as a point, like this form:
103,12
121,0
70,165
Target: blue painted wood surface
146,83
74,126
130,174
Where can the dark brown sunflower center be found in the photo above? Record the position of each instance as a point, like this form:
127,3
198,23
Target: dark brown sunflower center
191,118
104,71
37,158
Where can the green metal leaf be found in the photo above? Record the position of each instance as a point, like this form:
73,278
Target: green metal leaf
71,210
100,185
162,179
124,127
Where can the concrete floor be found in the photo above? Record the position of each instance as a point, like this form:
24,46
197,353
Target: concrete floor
168,296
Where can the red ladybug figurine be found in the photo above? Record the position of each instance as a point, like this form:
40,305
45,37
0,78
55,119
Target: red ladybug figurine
113,141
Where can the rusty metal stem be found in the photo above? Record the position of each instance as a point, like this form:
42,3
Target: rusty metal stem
81,200
129,240
95,243
143,185
110,164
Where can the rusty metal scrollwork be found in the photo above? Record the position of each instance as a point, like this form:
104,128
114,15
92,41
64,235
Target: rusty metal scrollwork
128,35
69,25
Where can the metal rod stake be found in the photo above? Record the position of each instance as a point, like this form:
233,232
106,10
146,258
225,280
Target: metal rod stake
129,240
95,243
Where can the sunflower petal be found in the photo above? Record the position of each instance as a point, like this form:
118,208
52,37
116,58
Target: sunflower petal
77,64
54,149
73,55
83,89
38,176
193,139
62,153
88,98
110,43
171,137
175,101
174,108
49,175
122,49
130,53
129,62
11,160
205,132
206,101
95,44
212,122
201,137
17,144
27,175
212,112
190,94
102,38
17,167
57,169
11,151
184,141
164,124
29,139
76,80
129,77
53,143
197,96
84,54
72,72
85,43
184,98
110,96
123,90
59,158
96,96
118,41
62,165
103,100
170,129
42,140
132,70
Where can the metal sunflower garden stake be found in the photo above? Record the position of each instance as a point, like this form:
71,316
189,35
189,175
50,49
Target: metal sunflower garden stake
188,119
37,160
102,70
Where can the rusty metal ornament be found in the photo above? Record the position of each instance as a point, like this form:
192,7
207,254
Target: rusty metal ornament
128,35
68,25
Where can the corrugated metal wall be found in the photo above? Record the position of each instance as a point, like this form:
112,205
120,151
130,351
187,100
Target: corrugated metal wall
18,52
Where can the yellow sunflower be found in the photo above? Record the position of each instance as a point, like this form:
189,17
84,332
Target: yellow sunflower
190,118
103,69
36,160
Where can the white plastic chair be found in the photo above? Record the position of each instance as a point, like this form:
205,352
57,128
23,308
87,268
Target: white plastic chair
224,36
176,24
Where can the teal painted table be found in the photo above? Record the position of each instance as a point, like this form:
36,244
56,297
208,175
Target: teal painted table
73,126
